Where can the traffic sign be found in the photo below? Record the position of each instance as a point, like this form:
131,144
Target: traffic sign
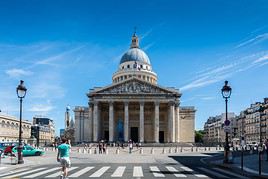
227,122
227,129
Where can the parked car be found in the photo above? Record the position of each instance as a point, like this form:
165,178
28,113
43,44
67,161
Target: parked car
29,151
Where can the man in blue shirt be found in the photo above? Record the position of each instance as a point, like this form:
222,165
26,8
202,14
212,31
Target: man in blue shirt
64,157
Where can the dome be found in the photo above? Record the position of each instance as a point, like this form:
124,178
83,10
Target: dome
135,54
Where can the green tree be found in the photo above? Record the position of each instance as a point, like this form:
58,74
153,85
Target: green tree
199,136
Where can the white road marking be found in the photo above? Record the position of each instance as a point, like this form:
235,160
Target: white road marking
2,168
12,172
59,172
119,171
187,169
229,173
42,173
100,172
172,169
24,173
156,171
213,173
137,171
201,176
81,172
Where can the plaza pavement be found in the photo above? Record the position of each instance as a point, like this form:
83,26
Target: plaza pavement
144,155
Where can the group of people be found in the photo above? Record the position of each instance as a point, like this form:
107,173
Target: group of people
102,147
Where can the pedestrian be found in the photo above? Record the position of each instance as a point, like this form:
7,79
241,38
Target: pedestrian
266,148
63,157
130,144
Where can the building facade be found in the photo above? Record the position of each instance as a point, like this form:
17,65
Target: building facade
253,121
250,126
9,129
134,107
214,129
43,130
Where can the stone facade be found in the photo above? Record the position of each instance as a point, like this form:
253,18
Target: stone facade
134,107
9,129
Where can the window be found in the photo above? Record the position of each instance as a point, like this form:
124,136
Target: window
122,67
128,66
141,66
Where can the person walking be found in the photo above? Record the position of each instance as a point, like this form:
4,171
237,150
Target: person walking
63,157
266,148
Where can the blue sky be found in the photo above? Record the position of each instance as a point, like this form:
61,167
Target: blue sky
61,49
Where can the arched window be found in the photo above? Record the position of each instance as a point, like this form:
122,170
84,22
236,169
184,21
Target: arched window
122,67
128,66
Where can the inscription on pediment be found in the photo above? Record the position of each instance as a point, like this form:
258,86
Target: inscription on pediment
133,87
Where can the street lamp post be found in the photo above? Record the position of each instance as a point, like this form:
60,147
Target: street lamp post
21,92
226,93
260,148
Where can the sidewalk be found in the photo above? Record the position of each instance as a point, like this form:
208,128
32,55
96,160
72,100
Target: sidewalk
250,168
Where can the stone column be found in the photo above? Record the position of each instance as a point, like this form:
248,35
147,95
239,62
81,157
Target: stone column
126,122
171,122
177,122
90,119
141,121
111,121
156,122
95,122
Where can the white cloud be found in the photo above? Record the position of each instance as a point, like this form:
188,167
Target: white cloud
254,40
261,59
15,72
41,108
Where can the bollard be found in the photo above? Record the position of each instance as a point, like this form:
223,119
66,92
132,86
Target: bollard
106,152
192,149
95,151
196,149
209,149
181,149
164,151
176,150
84,150
89,151
170,150
152,151
117,151
205,149
141,151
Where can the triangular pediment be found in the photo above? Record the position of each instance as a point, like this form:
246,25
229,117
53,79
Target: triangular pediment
134,86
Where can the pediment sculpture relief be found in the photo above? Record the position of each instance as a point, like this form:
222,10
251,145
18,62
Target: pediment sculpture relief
133,87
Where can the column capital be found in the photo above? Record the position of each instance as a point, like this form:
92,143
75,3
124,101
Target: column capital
90,104
141,103
156,103
171,103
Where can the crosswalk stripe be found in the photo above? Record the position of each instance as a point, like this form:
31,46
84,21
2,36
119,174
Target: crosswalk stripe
42,173
100,172
230,173
2,168
172,169
24,173
12,172
137,171
81,172
119,172
59,172
213,173
156,171
201,176
187,169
